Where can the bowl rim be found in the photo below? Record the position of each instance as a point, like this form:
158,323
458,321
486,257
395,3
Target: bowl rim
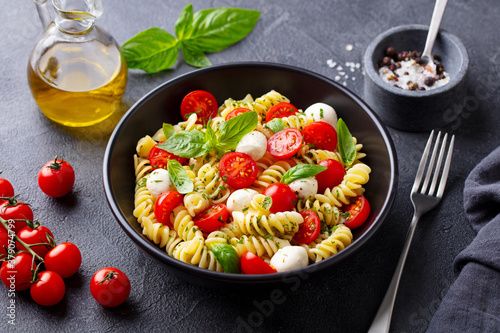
159,254
373,75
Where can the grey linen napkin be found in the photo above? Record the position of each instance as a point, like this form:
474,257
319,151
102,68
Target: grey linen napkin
472,304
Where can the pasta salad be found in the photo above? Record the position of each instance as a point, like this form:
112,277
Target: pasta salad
253,186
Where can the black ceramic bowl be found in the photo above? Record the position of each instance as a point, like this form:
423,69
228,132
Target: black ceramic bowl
236,80
416,110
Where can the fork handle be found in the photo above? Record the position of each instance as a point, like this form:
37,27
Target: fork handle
382,320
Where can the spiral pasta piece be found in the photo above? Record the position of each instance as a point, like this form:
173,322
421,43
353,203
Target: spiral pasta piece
258,245
160,234
358,173
183,224
144,146
328,214
313,156
260,205
340,194
188,125
339,240
274,224
231,104
142,168
208,181
196,253
144,204
196,202
272,174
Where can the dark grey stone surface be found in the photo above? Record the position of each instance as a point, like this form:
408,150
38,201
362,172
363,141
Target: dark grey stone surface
306,34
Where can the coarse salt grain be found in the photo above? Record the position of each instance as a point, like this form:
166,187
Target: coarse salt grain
349,47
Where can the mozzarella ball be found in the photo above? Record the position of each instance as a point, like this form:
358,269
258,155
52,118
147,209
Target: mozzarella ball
240,199
290,258
305,187
322,112
158,182
253,144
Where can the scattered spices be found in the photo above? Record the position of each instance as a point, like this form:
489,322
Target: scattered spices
406,70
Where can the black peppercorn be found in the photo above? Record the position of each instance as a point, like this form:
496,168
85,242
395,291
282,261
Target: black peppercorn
386,61
391,51
429,81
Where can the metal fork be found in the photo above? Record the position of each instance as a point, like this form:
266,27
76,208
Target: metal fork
424,198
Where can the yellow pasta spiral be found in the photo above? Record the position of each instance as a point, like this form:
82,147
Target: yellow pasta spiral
359,173
313,156
272,174
328,214
258,245
208,181
142,168
183,224
274,224
339,240
160,234
144,204
340,194
196,203
144,146
195,252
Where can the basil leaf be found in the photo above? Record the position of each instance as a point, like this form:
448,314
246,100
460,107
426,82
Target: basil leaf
217,28
193,56
231,131
152,50
226,256
301,171
168,130
179,177
184,25
275,125
347,148
210,136
186,144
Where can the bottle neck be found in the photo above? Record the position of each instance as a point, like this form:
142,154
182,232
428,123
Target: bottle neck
74,27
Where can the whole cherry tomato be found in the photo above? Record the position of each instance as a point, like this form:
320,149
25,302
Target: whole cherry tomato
285,143
40,234
358,211
281,110
110,286
64,259
6,189
309,229
49,289
16,210
200,102
56,178
252,264
284,198
332,176
165,204
239,170
320,135
212,219
16,273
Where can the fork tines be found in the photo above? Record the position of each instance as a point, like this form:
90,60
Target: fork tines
433,165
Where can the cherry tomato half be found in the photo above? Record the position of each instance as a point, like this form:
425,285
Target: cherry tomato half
64,259
284,198
165,204
56,178
285,143
251,264
16,210
309,229
35,236
281,110
158,157
239,170
16,273
320,135
236,112
200,102
212,219
110,286
358,211
6,189
49,289
332,176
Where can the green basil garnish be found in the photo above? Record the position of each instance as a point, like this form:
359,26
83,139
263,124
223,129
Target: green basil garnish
275,125
347,148
168,130
179,177
232,130
301,171
209,30
226,256
186,144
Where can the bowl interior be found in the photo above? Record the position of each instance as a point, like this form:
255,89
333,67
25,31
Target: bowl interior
236,80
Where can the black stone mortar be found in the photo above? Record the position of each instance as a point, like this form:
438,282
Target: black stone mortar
409,110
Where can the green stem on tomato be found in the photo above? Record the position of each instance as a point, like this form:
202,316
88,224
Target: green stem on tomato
26,246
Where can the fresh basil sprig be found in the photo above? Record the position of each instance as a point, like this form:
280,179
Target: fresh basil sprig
179,177
226,256
275,125
197,143
347,148
209,30
301,171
